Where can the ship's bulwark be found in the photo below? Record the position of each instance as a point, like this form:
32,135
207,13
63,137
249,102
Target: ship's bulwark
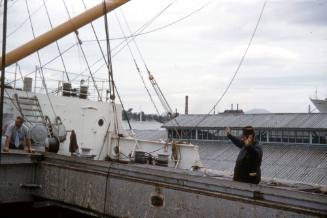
128,190
293,163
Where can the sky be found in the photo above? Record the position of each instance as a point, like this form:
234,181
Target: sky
285,64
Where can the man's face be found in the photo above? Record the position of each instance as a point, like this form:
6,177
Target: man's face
248,140
18,123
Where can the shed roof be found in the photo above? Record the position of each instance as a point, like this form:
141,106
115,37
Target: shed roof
271,120
296,163
302,163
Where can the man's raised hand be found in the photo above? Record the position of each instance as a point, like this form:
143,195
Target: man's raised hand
227,131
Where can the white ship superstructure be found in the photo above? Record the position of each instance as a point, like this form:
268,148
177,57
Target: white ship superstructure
94,125
54,116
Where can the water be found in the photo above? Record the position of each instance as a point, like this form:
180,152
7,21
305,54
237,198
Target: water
144,125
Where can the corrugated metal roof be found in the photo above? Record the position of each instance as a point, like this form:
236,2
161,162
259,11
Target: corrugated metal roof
302,163
283,120
297,163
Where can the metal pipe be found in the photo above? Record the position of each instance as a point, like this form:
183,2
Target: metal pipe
60,31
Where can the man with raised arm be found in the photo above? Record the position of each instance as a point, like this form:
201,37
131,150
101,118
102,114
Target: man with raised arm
248,162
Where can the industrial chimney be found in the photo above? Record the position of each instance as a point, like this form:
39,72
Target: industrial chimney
186,104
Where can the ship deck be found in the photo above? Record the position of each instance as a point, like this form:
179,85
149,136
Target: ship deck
131,190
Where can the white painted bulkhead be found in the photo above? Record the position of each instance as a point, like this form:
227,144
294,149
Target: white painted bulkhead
83,116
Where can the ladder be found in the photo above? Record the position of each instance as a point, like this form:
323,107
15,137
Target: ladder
30,109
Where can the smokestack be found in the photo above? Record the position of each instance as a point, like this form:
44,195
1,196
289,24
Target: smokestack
186,104
237,107
231,107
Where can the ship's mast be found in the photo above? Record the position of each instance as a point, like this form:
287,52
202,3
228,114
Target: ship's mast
60,31
3,67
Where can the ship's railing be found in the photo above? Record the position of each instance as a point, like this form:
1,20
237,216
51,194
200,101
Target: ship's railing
55,86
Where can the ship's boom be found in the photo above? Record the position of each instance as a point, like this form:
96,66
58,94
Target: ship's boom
61,30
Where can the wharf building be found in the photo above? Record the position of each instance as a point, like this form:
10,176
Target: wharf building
308,129
294,144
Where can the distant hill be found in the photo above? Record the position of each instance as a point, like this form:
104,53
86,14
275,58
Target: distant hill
257,111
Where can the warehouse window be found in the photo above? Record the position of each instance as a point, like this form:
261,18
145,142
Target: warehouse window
286,135
203,134
302,137
221,134
275,135
182,134
213,134
193,134
176,133
200,135
188,134
306,137
263,135
236,132
299,136
319,137
323,137
291,137
170,134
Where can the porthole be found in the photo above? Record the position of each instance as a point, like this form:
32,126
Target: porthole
100,122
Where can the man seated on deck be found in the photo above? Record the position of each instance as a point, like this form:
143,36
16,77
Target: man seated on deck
247,167
17,136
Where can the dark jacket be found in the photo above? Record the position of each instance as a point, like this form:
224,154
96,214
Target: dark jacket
248,161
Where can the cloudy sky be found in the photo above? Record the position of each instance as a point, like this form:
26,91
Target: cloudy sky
285,65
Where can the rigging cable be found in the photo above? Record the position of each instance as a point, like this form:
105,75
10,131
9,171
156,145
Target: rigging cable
105,60
160,27
144,26
97,39
39,59
113,85
109,61
17,68
137,33
57,44
22,24
110,71
176,21
123,107
137,67
84,55
238,67
140,29
50,61
153,82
